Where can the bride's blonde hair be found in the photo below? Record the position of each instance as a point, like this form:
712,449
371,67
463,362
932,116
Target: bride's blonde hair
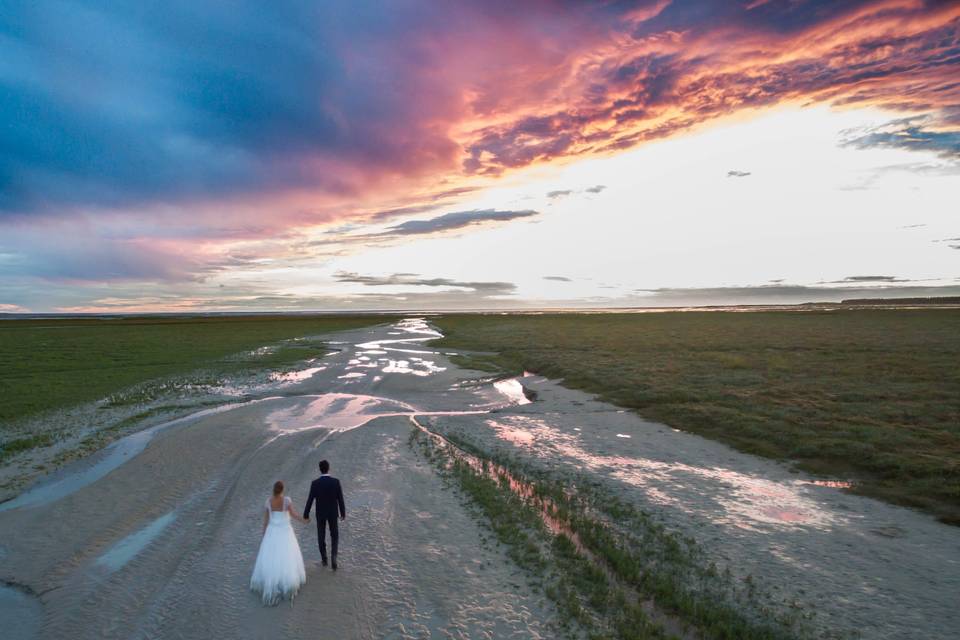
277,487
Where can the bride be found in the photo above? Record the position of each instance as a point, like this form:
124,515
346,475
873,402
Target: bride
278,572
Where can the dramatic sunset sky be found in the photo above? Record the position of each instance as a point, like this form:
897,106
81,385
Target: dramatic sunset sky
198,156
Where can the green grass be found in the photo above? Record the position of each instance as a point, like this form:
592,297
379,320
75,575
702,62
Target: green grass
16,445
870,394
579,589
54,364
621,557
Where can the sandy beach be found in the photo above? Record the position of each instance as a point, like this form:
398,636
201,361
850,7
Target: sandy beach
156,535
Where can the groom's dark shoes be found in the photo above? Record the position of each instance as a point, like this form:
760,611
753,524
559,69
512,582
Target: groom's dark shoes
323,561
334,565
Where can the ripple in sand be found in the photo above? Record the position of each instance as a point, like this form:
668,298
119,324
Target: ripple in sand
20,611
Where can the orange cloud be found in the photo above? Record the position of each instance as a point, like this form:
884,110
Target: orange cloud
662,79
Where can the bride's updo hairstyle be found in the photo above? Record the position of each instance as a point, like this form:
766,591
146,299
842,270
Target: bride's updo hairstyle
277,488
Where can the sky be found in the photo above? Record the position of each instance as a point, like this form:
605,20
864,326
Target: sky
343,155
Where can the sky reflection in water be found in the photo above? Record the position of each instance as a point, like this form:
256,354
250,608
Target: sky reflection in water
745,501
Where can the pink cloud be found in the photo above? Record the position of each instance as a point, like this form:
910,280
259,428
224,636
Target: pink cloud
220,156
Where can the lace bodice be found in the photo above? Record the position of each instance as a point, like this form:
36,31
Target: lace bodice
282,516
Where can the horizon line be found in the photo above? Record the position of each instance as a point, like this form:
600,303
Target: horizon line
945,302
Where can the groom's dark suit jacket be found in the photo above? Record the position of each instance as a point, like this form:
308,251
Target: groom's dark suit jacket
329,496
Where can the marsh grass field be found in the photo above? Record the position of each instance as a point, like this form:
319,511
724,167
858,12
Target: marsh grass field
872,396
50,364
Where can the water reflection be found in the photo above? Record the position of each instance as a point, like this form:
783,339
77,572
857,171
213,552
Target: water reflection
344,411
126,549
295,376
833,484
417,325
408,326
513,390
413,366
335,411
416,351
547,508
745,501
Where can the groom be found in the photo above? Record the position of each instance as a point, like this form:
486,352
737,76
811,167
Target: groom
329,496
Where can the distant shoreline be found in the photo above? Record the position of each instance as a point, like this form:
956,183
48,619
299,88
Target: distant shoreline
945,302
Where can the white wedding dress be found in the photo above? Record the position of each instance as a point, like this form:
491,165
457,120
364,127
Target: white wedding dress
278,572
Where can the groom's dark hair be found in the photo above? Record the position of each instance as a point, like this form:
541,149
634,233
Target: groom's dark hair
324,466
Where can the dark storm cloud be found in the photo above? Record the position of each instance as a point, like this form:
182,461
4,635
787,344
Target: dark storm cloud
872,279
737,174
786,294
91,116
431,202
910,134
563,193
111,103
456,220
558,278
339,240
408,279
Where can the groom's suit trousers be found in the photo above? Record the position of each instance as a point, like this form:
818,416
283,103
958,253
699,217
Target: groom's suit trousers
322,522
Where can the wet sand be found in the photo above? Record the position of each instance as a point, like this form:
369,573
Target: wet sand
160,540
